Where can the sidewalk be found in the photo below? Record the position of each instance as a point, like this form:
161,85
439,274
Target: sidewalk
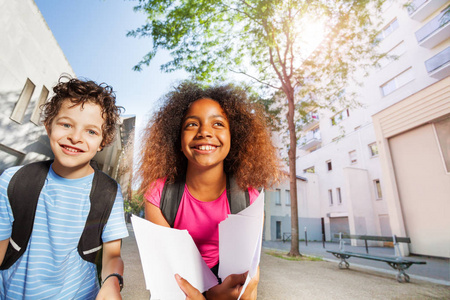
284,280
436,270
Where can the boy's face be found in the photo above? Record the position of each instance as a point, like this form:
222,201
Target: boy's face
75,137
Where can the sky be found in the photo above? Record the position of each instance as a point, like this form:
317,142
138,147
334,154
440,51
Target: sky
92,35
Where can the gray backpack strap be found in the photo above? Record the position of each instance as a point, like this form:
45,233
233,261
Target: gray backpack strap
237,198
23,193
171,198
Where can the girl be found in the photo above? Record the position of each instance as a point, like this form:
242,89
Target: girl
205,135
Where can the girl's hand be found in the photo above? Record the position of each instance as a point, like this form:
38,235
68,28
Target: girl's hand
252,288
191,292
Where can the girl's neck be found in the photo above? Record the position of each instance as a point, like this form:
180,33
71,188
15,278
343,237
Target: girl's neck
206,185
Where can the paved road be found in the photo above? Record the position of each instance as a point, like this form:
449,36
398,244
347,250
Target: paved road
284,280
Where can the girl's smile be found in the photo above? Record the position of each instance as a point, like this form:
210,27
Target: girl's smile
205,134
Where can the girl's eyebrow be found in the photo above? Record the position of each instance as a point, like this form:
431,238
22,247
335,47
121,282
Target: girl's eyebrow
210,117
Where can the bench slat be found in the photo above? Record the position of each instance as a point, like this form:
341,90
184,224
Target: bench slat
378,258
374,238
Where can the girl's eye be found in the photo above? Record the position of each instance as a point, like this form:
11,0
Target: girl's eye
219,124
190,125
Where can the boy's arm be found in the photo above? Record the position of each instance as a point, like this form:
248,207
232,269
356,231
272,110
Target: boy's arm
3,247
112,263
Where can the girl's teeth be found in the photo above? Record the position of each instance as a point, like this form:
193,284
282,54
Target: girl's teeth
206,148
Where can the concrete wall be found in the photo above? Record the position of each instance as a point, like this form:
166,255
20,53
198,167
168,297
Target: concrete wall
28,52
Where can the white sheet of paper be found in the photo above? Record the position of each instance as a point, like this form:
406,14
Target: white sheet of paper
165,251
240,238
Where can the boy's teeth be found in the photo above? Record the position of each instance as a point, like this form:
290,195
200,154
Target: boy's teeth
70,149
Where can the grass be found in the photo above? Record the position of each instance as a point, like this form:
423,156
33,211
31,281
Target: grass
283,255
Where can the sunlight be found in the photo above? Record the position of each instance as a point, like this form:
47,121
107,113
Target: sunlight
312,32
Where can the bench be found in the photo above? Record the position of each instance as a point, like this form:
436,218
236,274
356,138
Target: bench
286,236
397,262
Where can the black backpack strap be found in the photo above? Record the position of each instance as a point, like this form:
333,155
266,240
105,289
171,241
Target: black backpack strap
102,197
237,198
23,194
171,198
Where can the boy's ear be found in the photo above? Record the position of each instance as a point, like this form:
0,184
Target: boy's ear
48,129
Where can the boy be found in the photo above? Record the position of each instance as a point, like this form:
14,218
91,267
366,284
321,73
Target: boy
80,120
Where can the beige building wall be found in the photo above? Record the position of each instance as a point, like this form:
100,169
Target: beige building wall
415,168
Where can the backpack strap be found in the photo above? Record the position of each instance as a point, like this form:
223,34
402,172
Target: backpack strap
173,192
102,197
171,198
23,197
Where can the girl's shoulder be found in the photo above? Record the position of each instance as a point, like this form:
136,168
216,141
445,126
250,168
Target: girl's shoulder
154,191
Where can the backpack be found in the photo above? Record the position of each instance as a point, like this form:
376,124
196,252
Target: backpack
23,194
173,192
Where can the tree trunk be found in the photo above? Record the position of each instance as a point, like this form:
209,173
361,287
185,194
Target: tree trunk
293,176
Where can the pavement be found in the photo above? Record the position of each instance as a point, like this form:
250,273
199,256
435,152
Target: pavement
310,279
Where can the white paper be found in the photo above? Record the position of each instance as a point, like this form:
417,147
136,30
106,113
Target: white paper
240,238
164,252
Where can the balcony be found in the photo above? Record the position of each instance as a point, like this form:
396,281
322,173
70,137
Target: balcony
435,31
419,10
312,119
310,139
439,65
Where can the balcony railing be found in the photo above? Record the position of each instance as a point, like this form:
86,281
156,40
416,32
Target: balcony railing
419,10
435,31
311,139
439,65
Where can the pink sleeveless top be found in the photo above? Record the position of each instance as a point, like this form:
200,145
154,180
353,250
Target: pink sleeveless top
200,219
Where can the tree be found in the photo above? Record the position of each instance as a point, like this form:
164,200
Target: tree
262,39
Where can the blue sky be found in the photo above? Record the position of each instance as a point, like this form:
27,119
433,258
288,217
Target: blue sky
92,35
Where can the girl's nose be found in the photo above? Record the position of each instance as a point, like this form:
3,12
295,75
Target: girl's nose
204,131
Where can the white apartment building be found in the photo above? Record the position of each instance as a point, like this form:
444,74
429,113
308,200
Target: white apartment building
374,170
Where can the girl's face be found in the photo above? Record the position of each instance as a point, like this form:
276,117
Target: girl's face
205,134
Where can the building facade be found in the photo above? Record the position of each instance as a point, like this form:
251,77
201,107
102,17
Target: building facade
358,189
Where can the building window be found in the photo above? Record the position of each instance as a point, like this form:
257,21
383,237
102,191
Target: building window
330,196
277,195
329,165
338,195
339,117
352,156
393,54
377,186
309,170
373,148
388,29
278,230
22,104
397,82
35,117
288,198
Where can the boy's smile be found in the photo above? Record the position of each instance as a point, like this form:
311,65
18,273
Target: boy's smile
205,134
75,137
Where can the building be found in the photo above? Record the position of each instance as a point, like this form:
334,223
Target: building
367,180
31,63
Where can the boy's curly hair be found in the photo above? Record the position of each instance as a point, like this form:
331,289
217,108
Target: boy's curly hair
252,158
80,92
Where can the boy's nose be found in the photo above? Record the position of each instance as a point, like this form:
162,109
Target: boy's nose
75,137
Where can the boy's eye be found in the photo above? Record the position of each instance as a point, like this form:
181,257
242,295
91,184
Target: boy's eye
92,132
66,125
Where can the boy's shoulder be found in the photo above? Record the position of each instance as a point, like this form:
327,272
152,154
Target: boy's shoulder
6,176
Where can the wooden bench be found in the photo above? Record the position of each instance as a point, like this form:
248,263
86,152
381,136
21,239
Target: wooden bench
397,262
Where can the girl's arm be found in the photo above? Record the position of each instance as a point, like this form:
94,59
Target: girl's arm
3,246
154,214
112,263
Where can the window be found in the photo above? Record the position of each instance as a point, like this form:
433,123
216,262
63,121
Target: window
392,54
330,196
397,82
288,198
386,31
35,117
352,156
277,196
329,165
373,148
22,104
339,117
278,230
309,170
377,186
338,195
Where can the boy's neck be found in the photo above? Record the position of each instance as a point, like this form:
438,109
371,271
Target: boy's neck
72,173
206,185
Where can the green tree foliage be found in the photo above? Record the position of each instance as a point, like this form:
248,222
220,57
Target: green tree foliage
263,40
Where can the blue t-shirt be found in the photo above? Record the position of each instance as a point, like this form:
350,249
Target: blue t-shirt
51,267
